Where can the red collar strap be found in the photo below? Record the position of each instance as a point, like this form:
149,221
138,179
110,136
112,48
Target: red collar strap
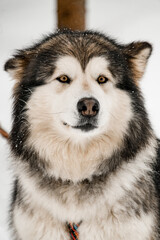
73,230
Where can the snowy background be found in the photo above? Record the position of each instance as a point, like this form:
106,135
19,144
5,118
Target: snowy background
23,22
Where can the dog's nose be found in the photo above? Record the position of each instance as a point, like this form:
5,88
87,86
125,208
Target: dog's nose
88,107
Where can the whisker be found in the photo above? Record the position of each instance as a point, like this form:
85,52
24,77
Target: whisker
21,100
28,90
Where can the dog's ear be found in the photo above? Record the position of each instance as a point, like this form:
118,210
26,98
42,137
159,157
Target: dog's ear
137,55
16,66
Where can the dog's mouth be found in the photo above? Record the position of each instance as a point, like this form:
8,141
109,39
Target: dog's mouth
83,127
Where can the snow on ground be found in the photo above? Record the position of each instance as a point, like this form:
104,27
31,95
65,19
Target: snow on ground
23,22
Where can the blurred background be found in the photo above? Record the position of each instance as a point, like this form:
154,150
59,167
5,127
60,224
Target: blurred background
24,22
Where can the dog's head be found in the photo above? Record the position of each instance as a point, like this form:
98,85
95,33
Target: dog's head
76,87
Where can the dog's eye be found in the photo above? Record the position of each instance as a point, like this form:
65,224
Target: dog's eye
102,79
64,79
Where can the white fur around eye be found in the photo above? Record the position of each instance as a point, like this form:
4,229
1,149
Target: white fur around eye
69,66
98,66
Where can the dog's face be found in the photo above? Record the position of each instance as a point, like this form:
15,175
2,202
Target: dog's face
76,87
79,103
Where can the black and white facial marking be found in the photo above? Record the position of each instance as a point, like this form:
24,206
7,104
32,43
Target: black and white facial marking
79,103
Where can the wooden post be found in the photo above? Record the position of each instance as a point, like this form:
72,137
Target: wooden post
71,14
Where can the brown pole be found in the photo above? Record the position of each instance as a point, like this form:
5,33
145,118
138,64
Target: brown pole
71,14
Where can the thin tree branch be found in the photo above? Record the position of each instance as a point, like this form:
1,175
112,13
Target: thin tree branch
3,133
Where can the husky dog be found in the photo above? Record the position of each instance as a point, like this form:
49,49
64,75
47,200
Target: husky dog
83,148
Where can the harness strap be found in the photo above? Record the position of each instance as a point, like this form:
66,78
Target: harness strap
73,230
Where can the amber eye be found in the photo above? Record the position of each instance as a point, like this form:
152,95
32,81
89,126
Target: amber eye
102,79
64,79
